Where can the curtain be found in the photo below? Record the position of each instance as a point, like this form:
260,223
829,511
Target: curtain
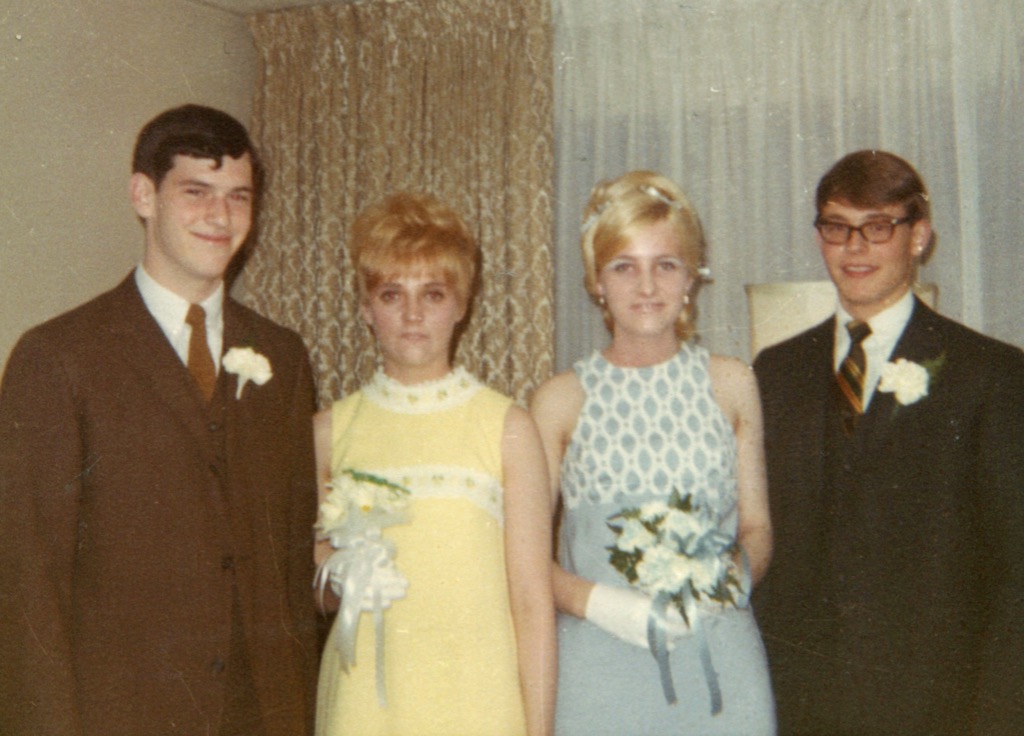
746,103
357,101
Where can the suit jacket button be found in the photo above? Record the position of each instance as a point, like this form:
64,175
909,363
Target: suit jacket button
227,562
217,666
214,426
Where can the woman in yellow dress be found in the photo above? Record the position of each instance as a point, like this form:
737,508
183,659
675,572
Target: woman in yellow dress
438,487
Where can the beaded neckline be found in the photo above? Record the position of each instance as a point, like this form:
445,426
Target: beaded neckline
420,398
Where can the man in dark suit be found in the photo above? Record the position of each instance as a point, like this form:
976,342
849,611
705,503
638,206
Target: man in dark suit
157,489
895,600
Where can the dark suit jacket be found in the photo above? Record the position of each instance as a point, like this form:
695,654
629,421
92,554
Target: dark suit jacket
129,512
894,601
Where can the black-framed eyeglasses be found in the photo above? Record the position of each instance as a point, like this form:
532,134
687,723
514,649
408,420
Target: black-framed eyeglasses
873,231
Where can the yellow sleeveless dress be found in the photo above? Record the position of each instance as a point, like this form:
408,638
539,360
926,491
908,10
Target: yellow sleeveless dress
449,645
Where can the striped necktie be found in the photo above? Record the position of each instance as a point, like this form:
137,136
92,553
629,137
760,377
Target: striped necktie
200,360
850,377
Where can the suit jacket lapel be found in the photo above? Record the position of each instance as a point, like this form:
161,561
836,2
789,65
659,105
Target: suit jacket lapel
137,341
917,343
238,332
920,341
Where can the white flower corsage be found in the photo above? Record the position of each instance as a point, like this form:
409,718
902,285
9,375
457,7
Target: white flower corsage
908,380
248,365
361,570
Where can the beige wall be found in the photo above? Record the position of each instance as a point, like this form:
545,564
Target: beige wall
78,78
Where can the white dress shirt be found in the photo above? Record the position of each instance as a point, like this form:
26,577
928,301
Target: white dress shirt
169,310
886,328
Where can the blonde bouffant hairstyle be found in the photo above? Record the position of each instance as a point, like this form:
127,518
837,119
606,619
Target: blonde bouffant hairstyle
637,199
409,231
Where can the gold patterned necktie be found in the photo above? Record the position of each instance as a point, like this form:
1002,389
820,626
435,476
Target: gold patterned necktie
200,361
850,377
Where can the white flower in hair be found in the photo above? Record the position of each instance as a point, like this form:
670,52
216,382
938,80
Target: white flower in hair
652,191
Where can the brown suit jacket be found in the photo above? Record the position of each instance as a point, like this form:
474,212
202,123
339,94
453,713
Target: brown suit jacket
130,511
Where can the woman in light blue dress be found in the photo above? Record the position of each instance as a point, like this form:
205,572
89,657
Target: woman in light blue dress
655,447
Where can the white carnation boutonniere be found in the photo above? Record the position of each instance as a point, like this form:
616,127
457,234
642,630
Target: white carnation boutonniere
909,381
248,365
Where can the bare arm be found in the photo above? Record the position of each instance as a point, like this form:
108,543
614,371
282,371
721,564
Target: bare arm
556,407
527,558
322,426
735,389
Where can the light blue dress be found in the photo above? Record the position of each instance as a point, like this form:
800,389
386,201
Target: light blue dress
641,433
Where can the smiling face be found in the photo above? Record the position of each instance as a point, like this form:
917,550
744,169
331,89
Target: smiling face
413,315
871,277
645,284
195,221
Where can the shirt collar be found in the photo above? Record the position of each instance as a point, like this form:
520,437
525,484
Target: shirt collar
886,326
169,309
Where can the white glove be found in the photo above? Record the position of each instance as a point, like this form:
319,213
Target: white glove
624,612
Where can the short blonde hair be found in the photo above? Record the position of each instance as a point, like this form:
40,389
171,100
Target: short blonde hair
410,231
637,199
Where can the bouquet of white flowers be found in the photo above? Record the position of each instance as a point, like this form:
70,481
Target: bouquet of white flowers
361,570
674,548
674,552
357,502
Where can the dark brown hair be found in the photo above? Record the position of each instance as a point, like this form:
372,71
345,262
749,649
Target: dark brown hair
872,178
196,131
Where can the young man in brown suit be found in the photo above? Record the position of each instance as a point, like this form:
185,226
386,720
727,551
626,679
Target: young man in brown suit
157,480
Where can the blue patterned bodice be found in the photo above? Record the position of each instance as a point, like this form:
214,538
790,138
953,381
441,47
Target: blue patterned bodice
641,433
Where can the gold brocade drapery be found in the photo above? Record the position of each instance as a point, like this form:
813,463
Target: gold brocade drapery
356,101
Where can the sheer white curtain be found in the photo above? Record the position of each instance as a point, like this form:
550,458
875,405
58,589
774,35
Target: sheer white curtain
746,103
